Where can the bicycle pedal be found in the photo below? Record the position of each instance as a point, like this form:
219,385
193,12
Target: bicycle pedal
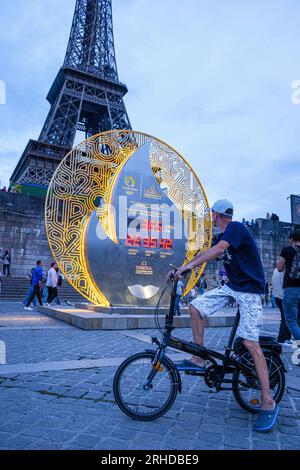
194,373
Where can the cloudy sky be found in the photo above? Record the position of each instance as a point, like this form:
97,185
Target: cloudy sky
213,78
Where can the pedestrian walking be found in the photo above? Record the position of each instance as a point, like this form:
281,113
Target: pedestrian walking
37,279
30,290
179,293
6,258
51,283
284,335
45,294
202,284
289,263
192,294
272,296
60,278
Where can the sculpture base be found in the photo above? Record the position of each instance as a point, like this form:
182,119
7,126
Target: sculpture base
115,319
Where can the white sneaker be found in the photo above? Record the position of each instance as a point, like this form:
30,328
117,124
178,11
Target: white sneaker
28,308
288,343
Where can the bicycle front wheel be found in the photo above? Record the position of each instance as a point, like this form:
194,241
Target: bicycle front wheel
140,398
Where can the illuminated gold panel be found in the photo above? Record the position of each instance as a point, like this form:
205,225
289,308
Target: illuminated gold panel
87,175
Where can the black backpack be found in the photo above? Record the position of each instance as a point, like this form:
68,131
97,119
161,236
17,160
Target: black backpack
294,272
59,280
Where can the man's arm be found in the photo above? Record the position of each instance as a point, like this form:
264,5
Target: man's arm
208,255
280,264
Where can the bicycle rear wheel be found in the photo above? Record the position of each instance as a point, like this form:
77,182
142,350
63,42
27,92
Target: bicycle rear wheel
138,398
248,396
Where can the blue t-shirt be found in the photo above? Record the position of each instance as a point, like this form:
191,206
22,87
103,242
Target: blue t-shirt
242,261
36,276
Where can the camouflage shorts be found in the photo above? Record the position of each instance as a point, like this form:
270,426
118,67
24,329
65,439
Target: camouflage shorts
250,309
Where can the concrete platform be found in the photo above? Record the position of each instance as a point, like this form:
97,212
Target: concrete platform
126,310
87,319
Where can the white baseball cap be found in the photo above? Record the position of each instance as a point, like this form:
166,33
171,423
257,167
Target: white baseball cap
223,207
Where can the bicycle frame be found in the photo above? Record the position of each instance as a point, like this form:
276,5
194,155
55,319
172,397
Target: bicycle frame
158,373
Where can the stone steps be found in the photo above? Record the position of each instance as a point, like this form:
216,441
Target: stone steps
15,288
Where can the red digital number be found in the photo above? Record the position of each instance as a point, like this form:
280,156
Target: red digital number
151,226
153,242
129,240
169,244
156,226
149,242
146,242
166,243
145,225
137,241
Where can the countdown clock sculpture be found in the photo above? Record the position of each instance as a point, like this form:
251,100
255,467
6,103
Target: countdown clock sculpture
121,207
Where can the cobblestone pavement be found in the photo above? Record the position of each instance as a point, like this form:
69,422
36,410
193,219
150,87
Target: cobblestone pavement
75,409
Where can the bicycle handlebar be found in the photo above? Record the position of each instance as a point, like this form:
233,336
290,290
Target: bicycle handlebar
171,277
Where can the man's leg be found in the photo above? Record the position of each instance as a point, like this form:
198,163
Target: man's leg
267,403
53,294
50,293
284,333
290,307
34,291
250,323
177,308
273,301
205,305
45,294
39,295
29,292
197,323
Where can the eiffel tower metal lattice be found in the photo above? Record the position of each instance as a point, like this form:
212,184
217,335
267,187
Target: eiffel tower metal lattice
86,95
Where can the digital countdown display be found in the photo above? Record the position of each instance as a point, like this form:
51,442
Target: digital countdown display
143,243
150,235
150,242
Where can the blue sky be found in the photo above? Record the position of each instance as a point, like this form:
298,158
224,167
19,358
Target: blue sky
211,78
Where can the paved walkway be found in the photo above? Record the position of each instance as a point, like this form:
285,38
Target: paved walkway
56,393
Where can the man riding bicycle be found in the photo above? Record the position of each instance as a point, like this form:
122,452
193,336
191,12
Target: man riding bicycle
246,284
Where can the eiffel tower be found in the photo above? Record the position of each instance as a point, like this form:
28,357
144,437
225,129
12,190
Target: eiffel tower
86,96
